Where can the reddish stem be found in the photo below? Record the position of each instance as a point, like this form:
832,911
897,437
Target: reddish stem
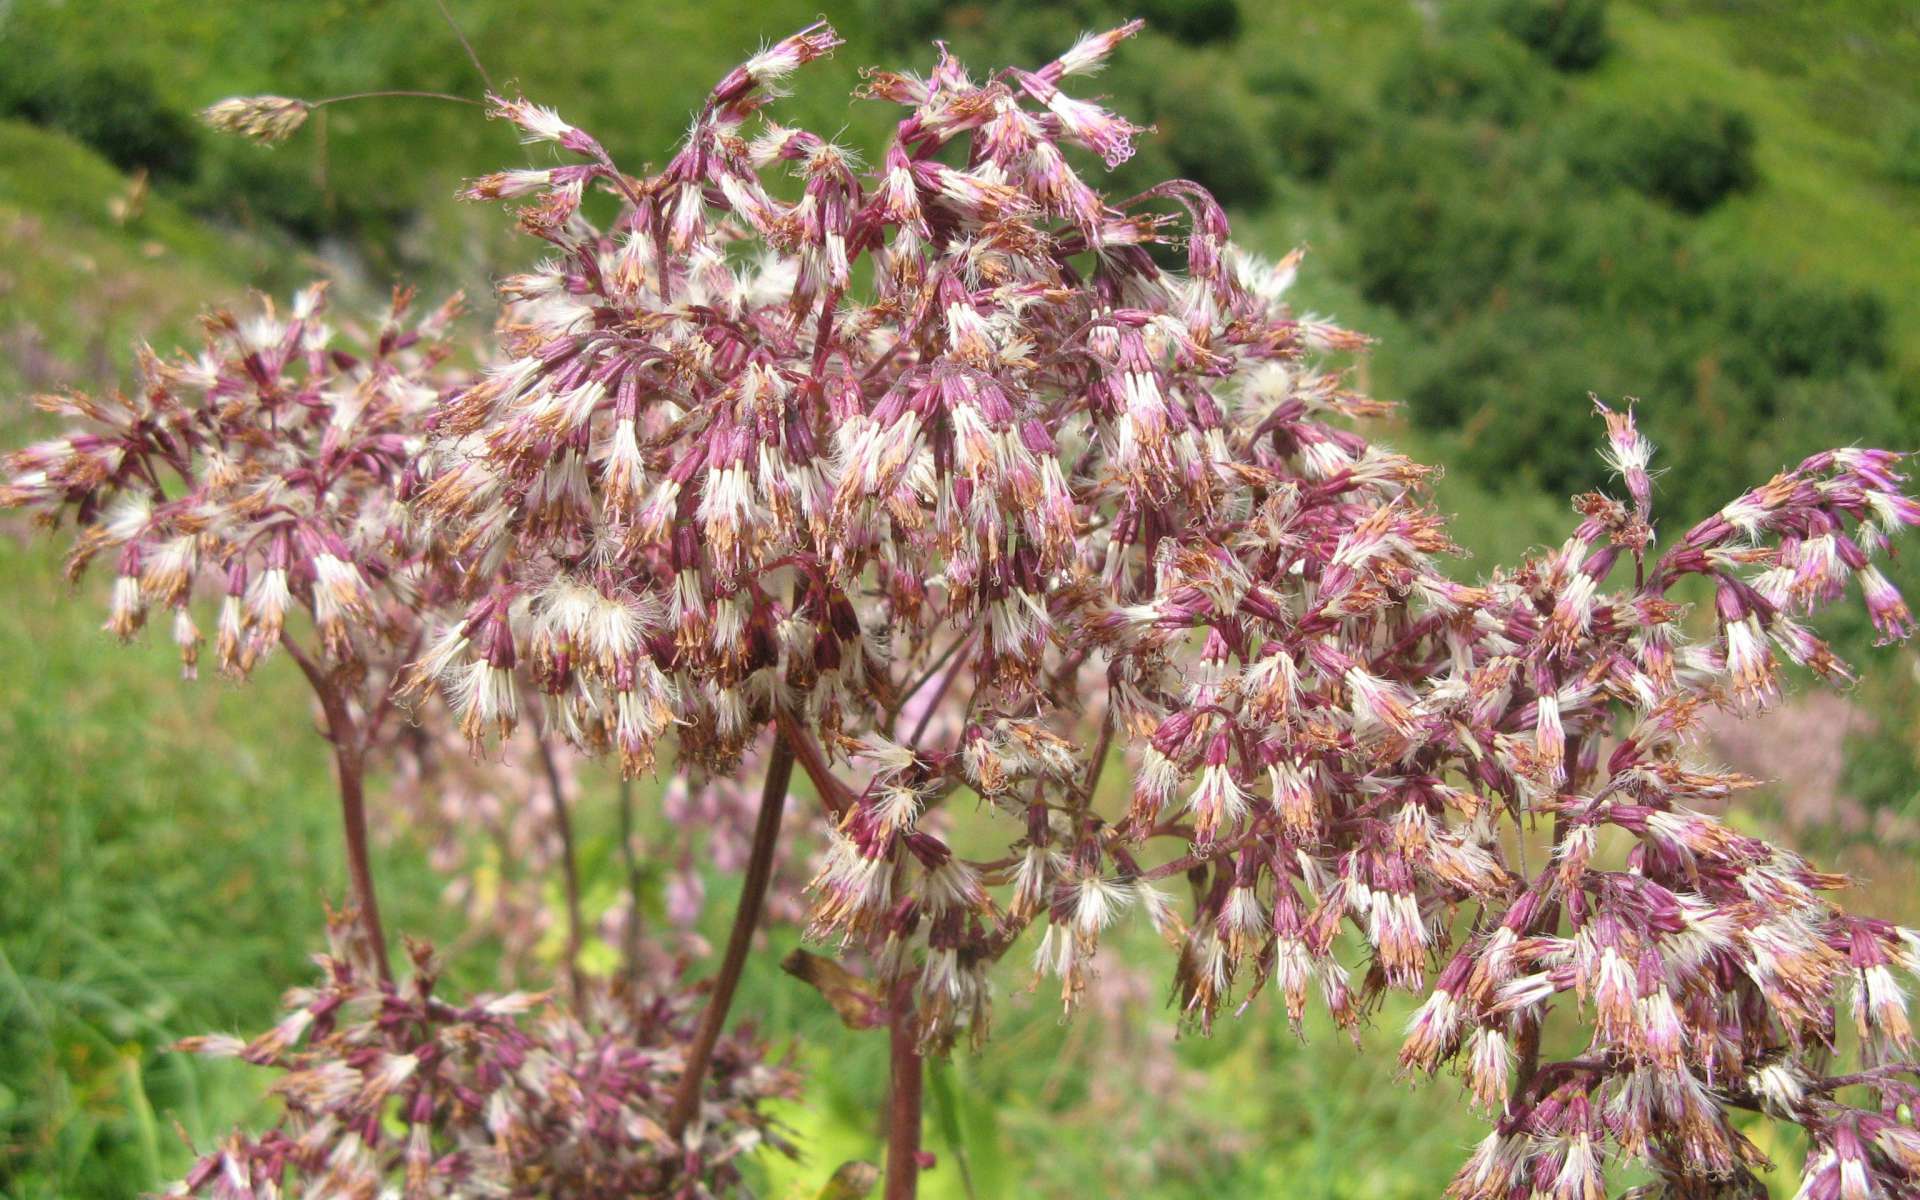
353,820
1529,1049
753,891
350,764
813,760
940,693
903,1110
907,693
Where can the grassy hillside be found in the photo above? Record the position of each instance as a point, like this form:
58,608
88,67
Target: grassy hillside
78,287
162,845
1831,91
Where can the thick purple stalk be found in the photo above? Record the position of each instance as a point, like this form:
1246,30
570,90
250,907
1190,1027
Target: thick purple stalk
903,1107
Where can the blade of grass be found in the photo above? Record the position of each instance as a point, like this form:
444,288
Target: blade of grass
144,1120
946,1114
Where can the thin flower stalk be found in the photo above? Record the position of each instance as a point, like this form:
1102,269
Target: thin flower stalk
753,891
569,864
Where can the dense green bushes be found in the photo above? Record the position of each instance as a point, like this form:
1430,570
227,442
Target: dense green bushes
1308,128
1570,34
1204,129
1541,258
1195,22
112,107
1485,78
1690,155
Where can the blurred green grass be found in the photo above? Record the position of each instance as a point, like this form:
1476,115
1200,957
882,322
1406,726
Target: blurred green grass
163,851
163,846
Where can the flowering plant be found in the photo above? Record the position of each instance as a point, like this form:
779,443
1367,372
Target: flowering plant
951,474
271,471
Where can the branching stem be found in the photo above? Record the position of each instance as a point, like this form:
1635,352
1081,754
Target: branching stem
813,760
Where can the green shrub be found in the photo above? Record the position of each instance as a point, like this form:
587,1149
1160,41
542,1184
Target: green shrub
1809,329
1691,156
1308,130
1211,140
1484,78
1903,153
1424,237
1514,383
248,185
907,25
1525,287
1570,34
1195,22
112,107
1418,253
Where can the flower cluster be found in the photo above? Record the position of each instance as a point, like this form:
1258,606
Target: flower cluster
264,474
270,475
961,474
404,1092
950,472
268,120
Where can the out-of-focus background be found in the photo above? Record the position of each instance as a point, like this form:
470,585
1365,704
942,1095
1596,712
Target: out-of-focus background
1712,205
